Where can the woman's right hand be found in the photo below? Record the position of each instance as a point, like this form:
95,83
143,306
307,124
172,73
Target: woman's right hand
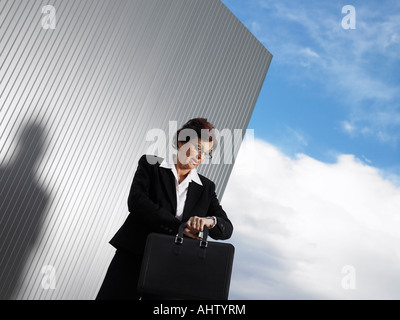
195,225
189,233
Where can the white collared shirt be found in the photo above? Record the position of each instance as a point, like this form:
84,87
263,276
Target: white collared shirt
181,188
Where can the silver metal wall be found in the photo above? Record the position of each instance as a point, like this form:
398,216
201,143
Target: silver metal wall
77,96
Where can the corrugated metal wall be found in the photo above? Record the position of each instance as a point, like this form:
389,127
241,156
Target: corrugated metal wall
77,96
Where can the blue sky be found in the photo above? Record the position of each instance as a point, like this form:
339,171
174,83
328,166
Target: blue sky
329,91
319,219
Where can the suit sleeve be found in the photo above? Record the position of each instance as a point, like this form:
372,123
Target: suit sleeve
224,228
140,204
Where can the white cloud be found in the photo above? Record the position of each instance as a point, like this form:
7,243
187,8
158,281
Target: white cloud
299,222
310,53
348,127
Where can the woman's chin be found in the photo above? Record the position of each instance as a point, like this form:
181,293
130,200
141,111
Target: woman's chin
193,163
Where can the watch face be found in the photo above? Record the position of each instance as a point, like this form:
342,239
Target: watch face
215,221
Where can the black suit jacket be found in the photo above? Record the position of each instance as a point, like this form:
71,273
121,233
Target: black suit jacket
152,206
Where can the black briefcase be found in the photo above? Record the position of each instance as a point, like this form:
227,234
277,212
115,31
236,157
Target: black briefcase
185,268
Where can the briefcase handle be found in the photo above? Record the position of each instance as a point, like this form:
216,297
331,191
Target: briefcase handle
179,236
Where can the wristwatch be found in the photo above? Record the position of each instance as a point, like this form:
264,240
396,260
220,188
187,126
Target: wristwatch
215,221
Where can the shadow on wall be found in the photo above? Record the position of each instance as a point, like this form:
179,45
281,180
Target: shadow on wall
22,204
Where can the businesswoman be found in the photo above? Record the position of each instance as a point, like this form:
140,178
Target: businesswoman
162,196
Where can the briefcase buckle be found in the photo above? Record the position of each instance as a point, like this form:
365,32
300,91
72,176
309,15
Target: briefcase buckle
178,240
203,244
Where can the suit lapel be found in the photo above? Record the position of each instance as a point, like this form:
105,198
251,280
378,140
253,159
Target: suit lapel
169,184
193,194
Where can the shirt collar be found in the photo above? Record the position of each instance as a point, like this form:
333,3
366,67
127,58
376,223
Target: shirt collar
192,176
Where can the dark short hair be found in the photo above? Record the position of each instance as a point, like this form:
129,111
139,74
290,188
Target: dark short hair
203,129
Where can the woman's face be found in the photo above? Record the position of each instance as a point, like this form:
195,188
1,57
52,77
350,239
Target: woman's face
192,153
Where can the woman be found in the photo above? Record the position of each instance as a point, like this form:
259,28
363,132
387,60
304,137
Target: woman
162,196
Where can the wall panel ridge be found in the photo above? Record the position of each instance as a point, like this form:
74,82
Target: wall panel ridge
82,82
